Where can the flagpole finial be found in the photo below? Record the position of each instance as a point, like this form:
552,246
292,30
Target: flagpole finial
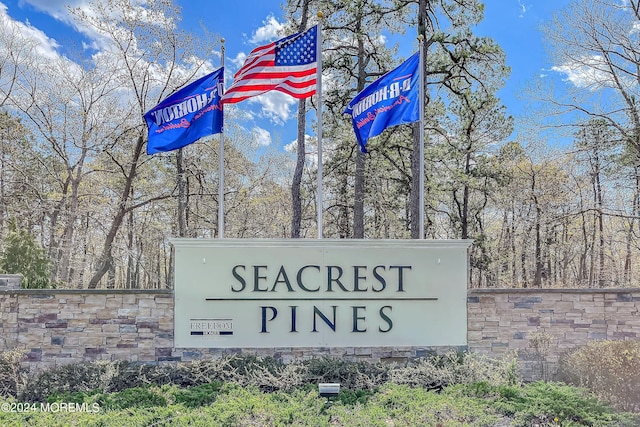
222,51
420,37
320,15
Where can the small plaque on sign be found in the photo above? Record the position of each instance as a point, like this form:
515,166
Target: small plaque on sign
211,327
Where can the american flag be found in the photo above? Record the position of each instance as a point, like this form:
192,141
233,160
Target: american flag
287,65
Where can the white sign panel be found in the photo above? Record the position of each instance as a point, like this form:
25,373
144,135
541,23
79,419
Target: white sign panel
320,293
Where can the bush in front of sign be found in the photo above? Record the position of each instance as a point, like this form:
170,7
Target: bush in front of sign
74,377
269,374
352,375
542,404
441,370
199,395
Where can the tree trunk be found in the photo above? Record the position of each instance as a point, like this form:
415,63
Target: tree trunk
296,199
599,216
358,199
537,279
415,160
635,210
130,261
344,230
105,262
182,195
415,183
464,215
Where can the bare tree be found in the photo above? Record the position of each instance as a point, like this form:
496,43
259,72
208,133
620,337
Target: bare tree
150,57
16,51
596,44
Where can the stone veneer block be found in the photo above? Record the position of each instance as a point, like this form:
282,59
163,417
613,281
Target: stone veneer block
147,302
130,298
99,300
116,302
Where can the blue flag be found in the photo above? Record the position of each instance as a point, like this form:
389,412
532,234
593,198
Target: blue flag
188,115
389,101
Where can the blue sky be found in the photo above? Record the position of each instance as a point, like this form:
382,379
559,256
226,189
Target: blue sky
514,24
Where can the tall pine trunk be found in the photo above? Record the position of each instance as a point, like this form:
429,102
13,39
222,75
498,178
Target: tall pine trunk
296,198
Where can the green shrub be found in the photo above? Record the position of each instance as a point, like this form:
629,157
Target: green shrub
478,404
200,395
353,397
137,397
79,397
415,406
611,369
543,404
23,255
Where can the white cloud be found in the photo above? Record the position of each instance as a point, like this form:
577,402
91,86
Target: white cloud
60,10
585,73
239,59
523,9
134,9
291,147
56,8
272,29
17,32
261,136
276,106
311,149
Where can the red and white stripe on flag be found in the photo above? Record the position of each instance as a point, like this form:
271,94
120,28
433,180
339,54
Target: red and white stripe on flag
288,65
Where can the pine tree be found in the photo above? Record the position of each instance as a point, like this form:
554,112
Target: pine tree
23,255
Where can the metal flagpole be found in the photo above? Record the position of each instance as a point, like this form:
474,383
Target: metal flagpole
421,100
319,119
221,160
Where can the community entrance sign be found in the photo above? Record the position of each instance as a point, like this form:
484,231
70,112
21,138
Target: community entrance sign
320,293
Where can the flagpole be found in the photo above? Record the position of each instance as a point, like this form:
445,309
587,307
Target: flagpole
319,119
221,160
421,123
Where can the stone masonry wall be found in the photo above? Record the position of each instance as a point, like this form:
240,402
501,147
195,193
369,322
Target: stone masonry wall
542,325
57,327
64,326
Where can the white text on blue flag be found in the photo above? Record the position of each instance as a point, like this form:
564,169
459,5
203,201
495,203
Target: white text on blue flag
186,116
389,101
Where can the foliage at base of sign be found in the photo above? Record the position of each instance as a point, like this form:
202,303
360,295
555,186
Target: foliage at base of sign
476,404
249,390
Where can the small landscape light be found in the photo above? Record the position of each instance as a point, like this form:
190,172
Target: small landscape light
329,390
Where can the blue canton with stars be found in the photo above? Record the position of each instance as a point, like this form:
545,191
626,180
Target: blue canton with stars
297,49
